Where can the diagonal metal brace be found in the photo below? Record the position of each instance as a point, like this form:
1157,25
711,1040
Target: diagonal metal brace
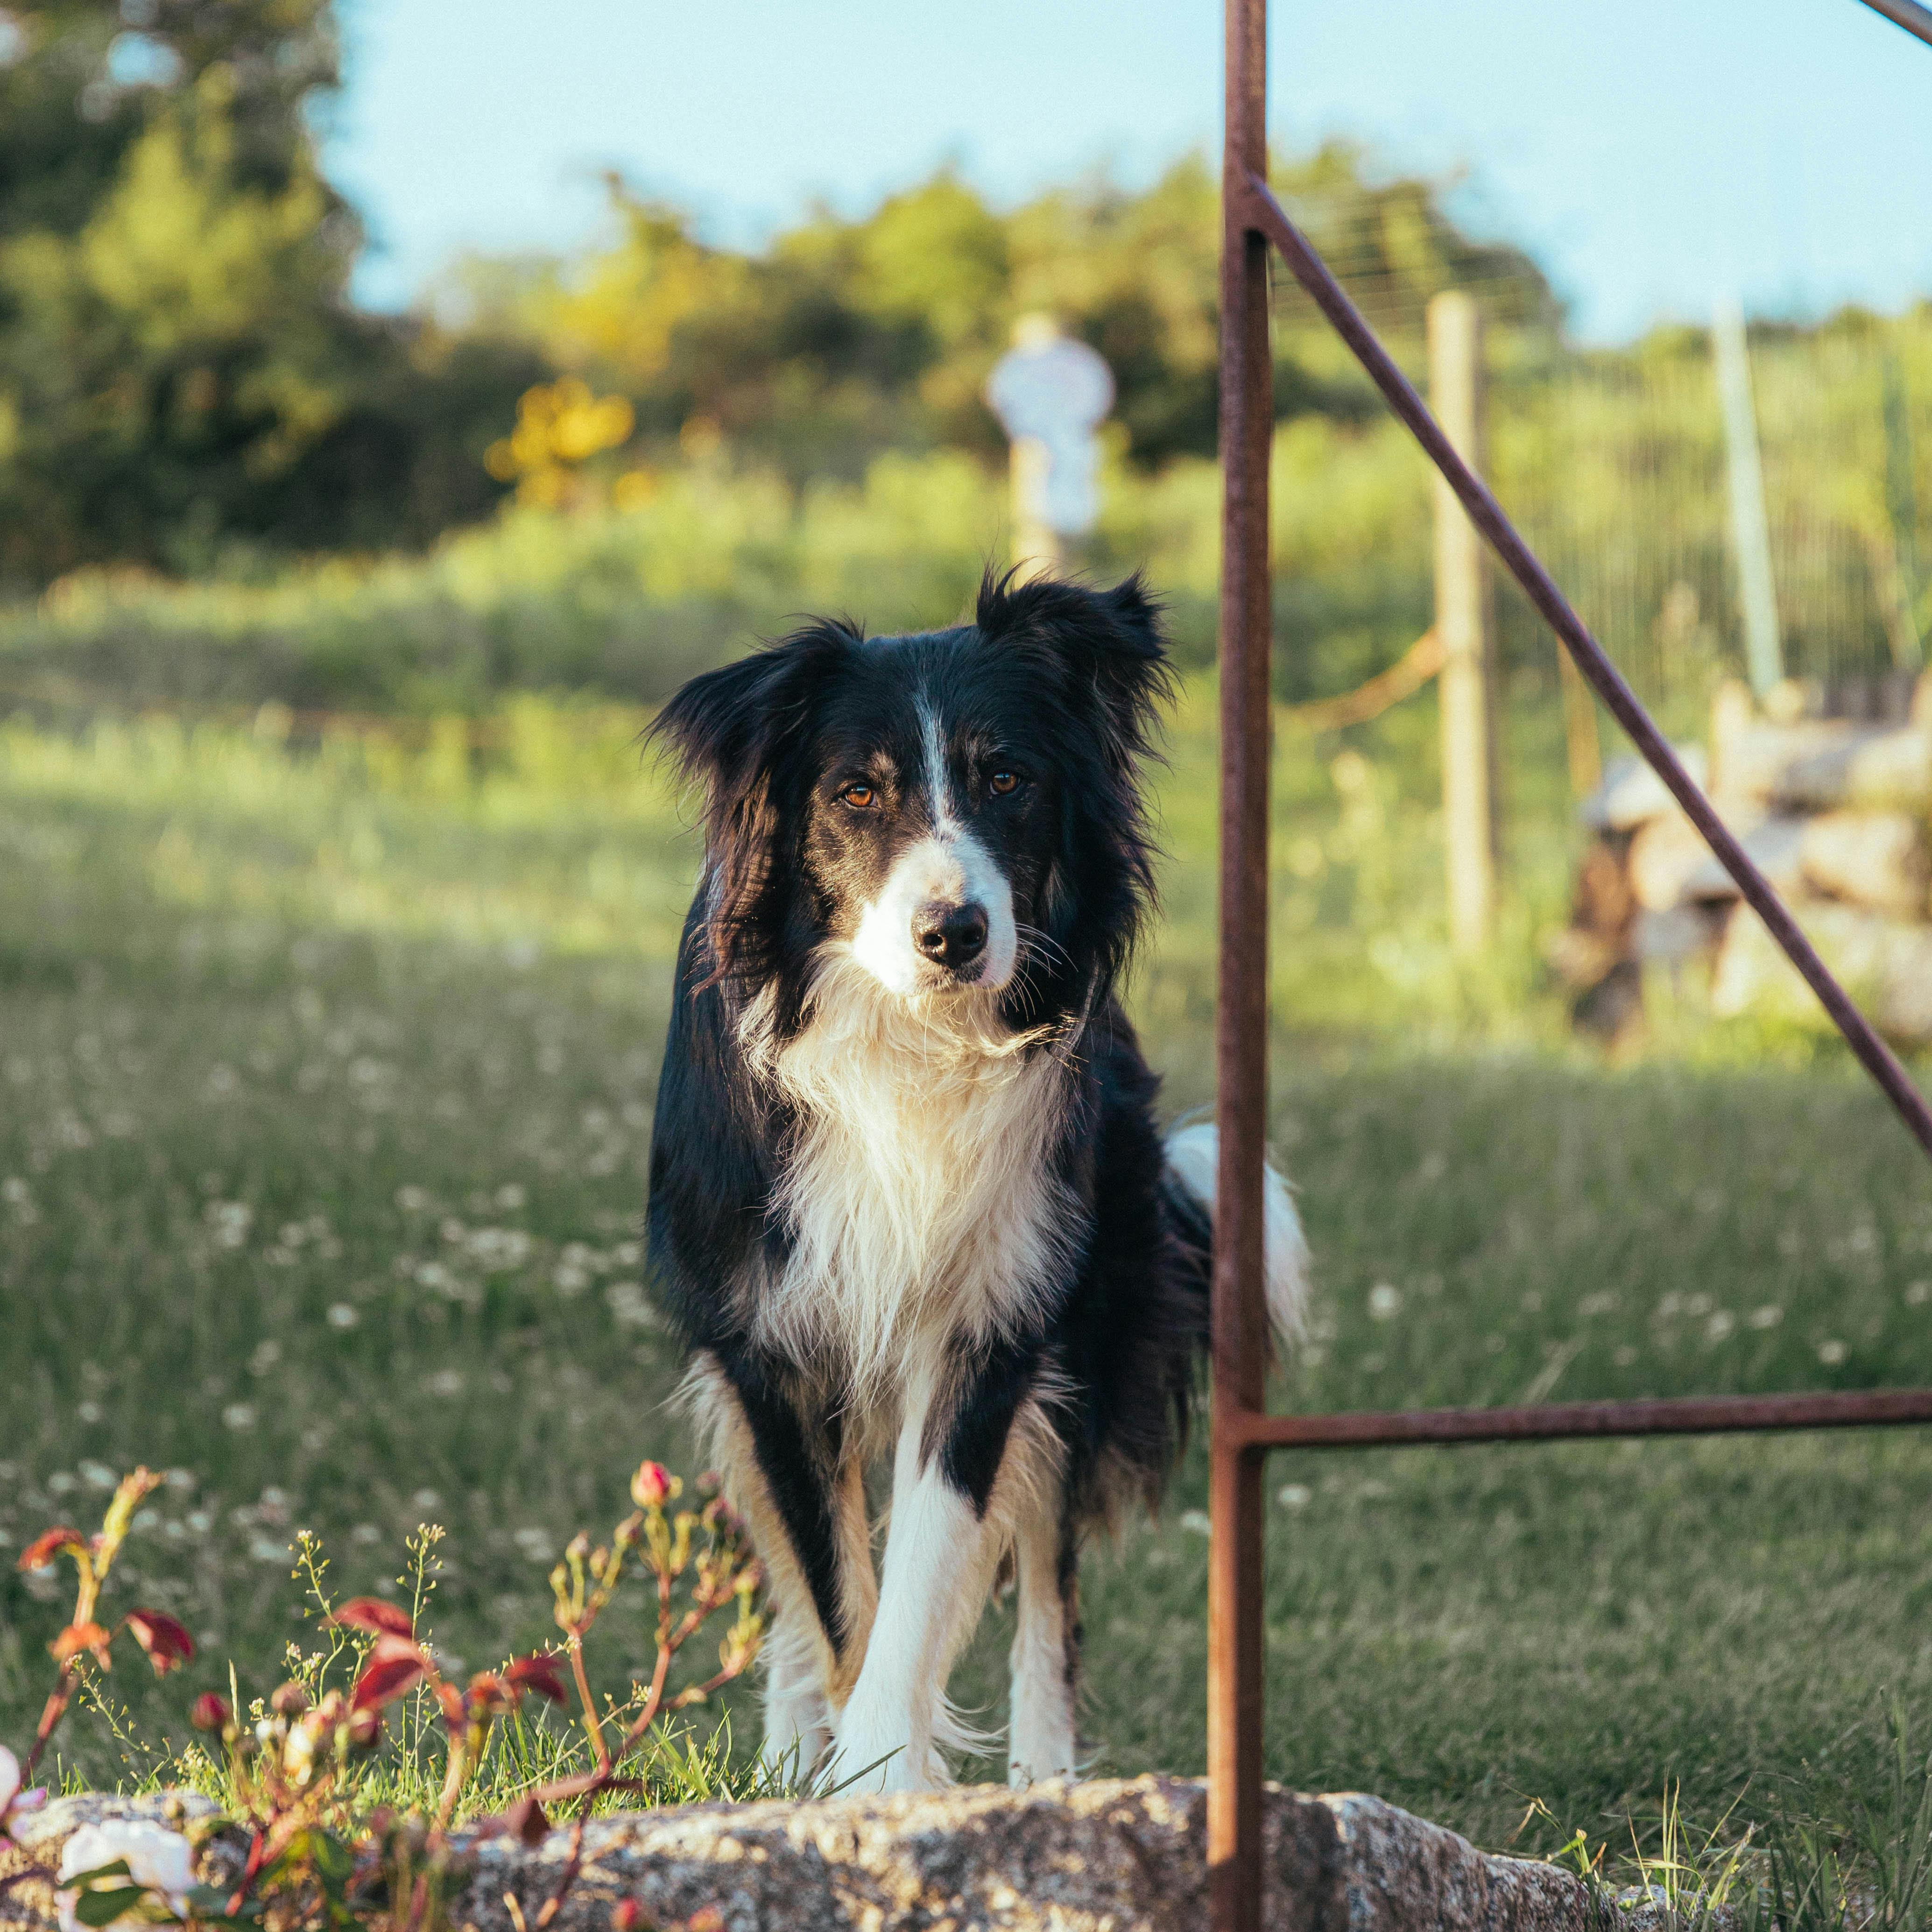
1265,216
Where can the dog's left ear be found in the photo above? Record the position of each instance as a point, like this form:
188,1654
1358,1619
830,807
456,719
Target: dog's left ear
729,732
1107,645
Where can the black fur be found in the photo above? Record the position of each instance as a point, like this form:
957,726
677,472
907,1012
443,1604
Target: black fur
1061,684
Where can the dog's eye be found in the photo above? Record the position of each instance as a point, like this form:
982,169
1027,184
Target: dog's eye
1003,783
859,797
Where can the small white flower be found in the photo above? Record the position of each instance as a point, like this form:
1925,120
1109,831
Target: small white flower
1719,1325
628,1305
445,1382
1294,1495
342,1315
161,1860
1768,1316
1384,1301
1919,1294
89,1411
427,1499
239,1415
1832,1352
365,1532
1197,1522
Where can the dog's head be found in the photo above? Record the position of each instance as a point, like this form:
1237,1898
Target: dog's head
956,809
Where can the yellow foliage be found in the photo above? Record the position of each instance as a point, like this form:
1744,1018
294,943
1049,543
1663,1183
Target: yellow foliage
560,425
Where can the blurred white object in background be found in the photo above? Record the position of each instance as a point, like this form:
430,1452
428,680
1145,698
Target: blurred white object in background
1051,394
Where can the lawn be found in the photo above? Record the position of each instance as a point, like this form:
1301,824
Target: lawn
327,1071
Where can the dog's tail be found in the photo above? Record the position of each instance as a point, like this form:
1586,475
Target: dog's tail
1193,1154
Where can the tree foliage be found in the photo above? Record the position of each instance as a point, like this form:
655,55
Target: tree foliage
184,375
179,360
844,337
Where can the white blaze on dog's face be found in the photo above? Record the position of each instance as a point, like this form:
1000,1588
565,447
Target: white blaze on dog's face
921,822
943,914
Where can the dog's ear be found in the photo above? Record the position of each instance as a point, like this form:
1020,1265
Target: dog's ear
1107,647
1102,660
729,732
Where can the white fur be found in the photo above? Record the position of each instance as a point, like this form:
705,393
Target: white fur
940,1557
950,867
920,1197
1041,1740
1193,1154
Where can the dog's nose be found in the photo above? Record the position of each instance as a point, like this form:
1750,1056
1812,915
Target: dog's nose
950,935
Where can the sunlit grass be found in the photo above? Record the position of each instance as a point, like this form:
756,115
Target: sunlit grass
326,1079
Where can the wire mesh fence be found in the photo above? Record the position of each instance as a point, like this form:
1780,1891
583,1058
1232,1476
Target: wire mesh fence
1614,462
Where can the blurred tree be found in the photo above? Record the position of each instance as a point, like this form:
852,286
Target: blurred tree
846,337
180,365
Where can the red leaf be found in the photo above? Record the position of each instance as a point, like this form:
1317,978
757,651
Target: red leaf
394,1667
539,1673
48,1544
377,1617
77,1637
526,1821
166,1642
451,1699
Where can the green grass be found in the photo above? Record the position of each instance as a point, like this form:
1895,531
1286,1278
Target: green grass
324,1082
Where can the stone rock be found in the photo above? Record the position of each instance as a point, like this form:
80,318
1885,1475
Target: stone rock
1885,964
38,1836
1822,763
1107,1856
1632,794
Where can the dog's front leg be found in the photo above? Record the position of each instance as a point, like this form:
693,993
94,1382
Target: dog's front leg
960,1463
799,1482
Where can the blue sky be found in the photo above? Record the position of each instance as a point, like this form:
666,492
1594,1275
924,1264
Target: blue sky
1654,153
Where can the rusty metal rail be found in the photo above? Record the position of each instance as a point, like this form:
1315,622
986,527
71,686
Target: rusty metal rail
1580,1421
1914,19
1242,1432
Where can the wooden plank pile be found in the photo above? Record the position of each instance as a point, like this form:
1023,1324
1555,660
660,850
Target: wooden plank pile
1832,797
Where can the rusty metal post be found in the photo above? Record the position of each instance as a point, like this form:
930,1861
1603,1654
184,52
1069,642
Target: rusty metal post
1239,1353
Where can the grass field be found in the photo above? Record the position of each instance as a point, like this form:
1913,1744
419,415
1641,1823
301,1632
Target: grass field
325,1075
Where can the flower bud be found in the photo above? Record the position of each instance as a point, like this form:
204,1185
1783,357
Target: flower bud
290,1701
210,1712
651,1486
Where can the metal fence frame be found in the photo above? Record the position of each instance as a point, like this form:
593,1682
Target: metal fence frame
1243,1432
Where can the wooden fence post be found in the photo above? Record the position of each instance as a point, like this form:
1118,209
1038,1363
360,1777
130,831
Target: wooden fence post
1465,621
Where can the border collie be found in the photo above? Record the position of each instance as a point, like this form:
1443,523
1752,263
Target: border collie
908,1199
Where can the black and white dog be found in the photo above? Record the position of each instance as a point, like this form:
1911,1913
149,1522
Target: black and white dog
908,1198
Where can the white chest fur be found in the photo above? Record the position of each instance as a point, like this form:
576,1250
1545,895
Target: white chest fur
919,1192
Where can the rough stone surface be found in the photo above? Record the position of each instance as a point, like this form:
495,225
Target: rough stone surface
1108,1856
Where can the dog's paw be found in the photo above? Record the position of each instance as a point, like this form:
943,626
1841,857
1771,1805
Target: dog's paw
865,1758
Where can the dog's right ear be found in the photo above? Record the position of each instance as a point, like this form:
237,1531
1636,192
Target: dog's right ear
727,732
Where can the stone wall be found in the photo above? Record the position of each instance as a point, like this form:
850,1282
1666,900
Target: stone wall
1105,1856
